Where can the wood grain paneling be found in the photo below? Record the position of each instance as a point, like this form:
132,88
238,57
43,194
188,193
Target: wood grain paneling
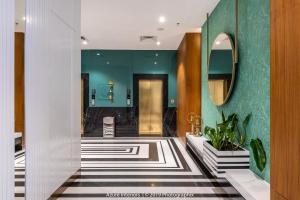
19,82
285,99
188,81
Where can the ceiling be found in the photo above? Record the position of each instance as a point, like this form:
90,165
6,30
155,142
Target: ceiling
19,16
118,24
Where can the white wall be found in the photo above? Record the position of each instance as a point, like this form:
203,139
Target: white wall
52,94
7,29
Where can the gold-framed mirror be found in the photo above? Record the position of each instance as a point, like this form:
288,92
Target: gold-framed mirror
221,69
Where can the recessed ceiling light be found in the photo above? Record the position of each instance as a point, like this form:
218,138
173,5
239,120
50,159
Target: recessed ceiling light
84,42
162,19
218,42
98,54
156,54
158,43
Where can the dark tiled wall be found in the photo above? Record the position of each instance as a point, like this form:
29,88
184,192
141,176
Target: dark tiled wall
126,121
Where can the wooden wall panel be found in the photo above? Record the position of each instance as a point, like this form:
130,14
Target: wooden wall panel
188,81
19,82
285,99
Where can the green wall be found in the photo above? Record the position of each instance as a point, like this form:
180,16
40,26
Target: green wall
251,93
120,65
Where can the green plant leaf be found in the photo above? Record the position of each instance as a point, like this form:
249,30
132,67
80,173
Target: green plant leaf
259,153
223,117
246,121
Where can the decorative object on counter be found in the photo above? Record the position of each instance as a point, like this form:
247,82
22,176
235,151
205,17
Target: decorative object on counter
259,153
197,125
225,145
128,97
110,94
195,122
191,121
108,127
93,97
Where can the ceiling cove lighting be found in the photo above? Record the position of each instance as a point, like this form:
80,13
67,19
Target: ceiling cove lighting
84,40
162,19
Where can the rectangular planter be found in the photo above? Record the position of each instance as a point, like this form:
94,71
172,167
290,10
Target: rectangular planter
220,162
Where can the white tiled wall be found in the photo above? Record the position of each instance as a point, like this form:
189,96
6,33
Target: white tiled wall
52,94
7,10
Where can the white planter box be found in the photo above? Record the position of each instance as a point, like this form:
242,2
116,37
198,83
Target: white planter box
196,144
221,162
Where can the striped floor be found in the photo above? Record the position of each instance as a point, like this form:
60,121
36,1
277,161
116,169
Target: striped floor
19,175
142,168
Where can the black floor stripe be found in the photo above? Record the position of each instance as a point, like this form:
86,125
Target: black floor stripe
147,184
103,195
140,177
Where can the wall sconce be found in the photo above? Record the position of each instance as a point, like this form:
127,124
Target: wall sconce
93,97
128,97
110,94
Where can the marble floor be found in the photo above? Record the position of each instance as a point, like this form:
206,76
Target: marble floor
136,168
142,168
20,175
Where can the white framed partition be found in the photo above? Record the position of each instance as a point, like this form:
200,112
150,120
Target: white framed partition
52,94
7,29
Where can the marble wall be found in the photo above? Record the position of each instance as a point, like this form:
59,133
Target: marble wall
251,93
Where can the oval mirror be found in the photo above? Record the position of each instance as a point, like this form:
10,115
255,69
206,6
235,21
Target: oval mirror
221,69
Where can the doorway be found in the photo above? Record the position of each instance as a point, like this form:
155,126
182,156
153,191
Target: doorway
82,107
150,107
84,101
150,100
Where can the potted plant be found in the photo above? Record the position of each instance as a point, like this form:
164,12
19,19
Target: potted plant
224,151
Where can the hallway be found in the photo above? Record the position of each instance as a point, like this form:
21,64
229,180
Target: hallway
134,168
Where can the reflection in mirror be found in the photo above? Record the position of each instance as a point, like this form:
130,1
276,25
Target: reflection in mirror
221,69
19,99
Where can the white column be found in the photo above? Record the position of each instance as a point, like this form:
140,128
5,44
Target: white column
52,94
7,26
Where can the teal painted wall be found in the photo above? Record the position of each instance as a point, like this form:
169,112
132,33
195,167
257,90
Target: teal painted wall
120,65
252,87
